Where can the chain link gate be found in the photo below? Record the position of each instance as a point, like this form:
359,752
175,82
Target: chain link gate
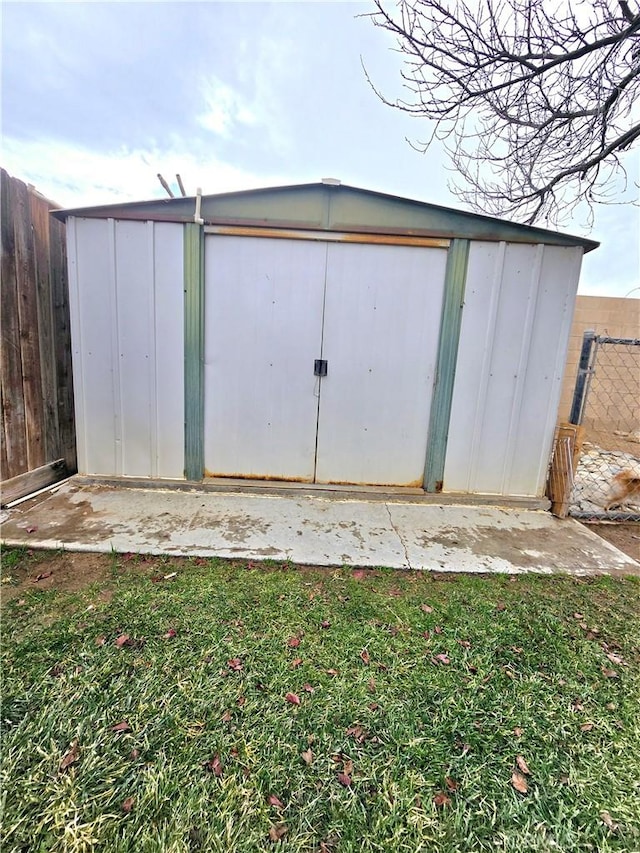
606,404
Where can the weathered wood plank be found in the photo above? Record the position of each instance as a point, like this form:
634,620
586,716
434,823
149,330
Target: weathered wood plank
62,342
28,316
35,354
4,463
31,481
39,210
14,434
566,454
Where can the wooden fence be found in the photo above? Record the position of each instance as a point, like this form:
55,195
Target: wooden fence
38,431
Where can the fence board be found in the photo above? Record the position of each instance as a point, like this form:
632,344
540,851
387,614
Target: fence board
28,319
35,368
14,433
40,221
62,343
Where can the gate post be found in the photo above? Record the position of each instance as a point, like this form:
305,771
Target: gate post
579,392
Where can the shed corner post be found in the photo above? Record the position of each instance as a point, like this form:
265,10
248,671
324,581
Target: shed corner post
193,351
450,323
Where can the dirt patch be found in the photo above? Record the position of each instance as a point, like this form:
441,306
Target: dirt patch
625,535
63,571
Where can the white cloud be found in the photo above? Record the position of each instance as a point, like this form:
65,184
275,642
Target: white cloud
224,108
73,176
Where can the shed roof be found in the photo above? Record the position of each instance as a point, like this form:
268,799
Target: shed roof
331,207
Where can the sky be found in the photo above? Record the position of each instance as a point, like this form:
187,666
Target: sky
97,98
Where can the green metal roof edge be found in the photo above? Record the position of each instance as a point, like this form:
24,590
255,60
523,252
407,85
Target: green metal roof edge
165,208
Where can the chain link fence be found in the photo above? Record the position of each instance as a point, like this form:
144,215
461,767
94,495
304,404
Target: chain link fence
606,402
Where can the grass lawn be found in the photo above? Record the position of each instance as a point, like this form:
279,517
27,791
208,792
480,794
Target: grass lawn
184,705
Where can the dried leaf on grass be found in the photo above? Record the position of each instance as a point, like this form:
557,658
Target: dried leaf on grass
586,727
277,832
441,658
344,779
519,782
307,756
441,800
296,662
364,656
358,733
522,765
451,784
293,698
293,642
608,820
127,805
71,756
170,634
426,608
275,801
308,688
121,727
214,765
235,664
609,673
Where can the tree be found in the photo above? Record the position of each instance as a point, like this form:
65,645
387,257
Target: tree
534,99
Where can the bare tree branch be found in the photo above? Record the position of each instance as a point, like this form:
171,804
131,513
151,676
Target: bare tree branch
534,99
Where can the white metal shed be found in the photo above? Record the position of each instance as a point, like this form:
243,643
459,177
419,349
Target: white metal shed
318,333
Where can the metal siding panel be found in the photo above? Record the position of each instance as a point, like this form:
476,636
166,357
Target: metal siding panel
523,373
134,277
448,343
94,310
559,276
505,363
473,369
514,336
263,320
169,349
193,351
153,349
77,346
382,315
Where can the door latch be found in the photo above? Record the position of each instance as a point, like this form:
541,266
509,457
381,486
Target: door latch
320,367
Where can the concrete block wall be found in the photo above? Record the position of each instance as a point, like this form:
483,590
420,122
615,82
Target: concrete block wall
616,317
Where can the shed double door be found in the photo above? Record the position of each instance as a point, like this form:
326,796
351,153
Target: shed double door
278,312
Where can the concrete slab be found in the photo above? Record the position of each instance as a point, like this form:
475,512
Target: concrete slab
311,529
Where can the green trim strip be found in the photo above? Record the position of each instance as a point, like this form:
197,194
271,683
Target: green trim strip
454,287
193,351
